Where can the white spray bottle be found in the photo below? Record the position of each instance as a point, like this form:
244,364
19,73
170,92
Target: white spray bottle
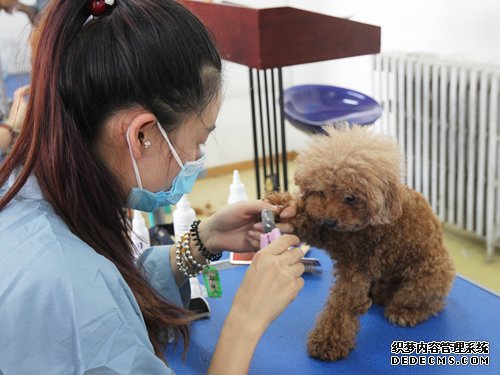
237,192
183,217
140,233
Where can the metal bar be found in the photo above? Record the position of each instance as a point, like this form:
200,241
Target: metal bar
401,106
493,159
462,148
254,132
410,125
385,73
262,133
392,107
283,135
275,126
268,125
426,141
417,127
452,142
443,140
472,149
481,148
377,88
435,138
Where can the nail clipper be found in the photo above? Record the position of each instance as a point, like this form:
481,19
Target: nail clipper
271,232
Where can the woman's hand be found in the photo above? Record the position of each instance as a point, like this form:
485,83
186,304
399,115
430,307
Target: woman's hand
17,111
272,281
237,227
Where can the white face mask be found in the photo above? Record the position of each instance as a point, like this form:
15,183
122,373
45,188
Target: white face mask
145,200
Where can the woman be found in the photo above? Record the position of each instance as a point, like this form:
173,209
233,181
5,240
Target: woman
10,128
121,101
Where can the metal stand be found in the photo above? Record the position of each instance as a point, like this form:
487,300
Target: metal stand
268,128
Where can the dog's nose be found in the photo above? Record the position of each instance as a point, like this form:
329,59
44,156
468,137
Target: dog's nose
330,223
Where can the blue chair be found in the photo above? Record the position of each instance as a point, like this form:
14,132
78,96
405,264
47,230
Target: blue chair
310,107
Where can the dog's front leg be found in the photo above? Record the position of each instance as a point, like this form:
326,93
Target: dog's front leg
334,335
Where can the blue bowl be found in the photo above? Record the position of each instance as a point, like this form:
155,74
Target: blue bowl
310,107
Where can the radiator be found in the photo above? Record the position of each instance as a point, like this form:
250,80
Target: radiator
445,115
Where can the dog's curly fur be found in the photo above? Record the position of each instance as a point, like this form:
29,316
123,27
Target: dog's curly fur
383,236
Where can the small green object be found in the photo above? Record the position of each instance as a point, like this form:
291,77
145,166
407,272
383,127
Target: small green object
212,282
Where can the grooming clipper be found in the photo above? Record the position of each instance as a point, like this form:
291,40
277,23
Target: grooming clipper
271,232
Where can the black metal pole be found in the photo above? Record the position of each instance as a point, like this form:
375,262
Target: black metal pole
275,126
254,132
262,133
268,125
283,136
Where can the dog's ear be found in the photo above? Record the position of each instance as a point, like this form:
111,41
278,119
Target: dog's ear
392,207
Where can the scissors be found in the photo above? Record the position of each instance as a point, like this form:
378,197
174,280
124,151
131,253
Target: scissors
271,232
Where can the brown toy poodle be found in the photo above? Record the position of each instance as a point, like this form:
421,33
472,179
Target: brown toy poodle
384,238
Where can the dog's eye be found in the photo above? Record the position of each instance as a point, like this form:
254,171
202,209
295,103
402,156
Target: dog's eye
321,194
350,199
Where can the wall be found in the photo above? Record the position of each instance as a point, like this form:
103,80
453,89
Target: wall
232,142
446,27
14,34
457,28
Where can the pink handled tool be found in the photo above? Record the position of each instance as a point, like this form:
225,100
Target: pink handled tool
271,232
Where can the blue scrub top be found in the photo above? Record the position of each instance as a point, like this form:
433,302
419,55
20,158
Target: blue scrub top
65,309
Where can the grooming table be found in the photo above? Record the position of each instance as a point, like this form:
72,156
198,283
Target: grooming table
472,315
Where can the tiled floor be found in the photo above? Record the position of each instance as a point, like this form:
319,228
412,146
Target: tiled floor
468,253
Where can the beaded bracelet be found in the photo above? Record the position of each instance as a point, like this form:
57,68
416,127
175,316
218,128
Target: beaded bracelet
184,258
196,238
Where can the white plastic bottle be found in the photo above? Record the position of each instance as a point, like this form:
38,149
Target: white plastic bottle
140,233
237,192
183,216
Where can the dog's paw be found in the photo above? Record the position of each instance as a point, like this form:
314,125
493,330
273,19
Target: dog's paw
326,347
281,199
406,317
363,307
410,317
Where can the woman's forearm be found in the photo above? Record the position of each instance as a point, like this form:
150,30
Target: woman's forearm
235,347
5,138
238,338
180,278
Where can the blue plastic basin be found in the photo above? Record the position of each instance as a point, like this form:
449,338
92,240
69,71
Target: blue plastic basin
310,107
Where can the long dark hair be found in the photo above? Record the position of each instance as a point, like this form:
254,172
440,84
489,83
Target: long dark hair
149,53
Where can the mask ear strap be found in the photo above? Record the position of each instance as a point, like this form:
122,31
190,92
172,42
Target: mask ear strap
177,158
134,163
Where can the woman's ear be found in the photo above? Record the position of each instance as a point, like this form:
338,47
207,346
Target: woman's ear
139,133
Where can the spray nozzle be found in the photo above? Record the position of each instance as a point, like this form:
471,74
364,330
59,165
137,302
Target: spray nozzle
237,191
183,202
236,177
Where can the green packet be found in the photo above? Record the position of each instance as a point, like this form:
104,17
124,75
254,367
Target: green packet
212,282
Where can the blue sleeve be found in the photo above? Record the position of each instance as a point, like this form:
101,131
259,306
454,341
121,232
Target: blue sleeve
72,317
158,272
64,309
